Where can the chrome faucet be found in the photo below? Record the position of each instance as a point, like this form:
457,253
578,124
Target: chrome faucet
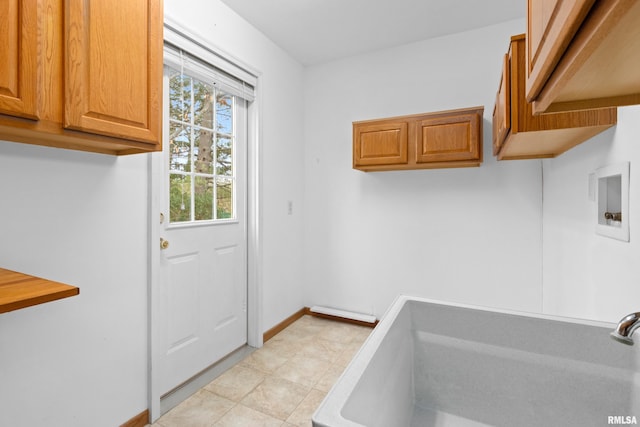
625,328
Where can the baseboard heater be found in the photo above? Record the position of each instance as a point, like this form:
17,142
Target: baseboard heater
334,312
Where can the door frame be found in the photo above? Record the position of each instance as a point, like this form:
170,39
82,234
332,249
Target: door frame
155,167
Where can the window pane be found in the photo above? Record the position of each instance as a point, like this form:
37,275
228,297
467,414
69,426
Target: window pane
224,198
203,198
180,97
179,198
203,104
180,147
203,151
224,113
224,156
175,95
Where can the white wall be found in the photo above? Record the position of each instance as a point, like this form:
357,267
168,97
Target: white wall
471,235
82,219
588,275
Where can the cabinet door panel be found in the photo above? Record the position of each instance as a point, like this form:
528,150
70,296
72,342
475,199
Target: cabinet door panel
113,68
502,109
551,24
380,144
445,139
19,58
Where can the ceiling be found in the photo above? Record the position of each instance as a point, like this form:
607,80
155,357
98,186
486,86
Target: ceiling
316,31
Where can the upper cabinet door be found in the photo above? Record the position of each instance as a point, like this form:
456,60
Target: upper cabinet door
113,68
551,24
450,137
380,143
18,58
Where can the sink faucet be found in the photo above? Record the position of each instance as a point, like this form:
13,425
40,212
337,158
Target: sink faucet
625,328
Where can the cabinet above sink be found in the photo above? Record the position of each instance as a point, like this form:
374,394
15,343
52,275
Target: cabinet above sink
582,54
519,134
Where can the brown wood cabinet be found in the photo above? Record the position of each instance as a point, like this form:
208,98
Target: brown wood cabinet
582,54
18,53
518,134
551,24
82,74
443,139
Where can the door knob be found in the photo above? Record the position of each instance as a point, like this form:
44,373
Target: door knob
164,244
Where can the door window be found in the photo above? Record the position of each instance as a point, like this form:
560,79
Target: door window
201,152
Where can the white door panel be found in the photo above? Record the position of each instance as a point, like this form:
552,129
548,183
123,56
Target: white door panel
203,270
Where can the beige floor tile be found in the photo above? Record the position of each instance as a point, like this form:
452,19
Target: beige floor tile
241,416
343,333
361,333
347,354
329,378
202,409
276,397
303,370
312,320
323,349
264,359
236,383
301,417
307,326
286,348
295,335
280,384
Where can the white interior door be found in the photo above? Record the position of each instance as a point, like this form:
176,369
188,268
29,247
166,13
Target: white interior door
203,256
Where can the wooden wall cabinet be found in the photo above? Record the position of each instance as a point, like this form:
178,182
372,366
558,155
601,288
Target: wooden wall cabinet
18,53
582,54
519,134
82,74
443,139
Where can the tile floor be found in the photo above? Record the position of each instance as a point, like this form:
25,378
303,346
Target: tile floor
280,384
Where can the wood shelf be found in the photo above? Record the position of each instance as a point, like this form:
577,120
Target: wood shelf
18,290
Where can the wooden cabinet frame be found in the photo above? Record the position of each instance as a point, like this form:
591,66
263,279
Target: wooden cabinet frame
104,61
19,75
449,138
550,26
589,57
519,134
444,139
381,143
82,74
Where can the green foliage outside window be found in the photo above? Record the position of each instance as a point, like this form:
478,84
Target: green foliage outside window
201,151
